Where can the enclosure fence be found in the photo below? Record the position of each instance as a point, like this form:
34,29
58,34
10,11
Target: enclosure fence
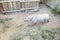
17,5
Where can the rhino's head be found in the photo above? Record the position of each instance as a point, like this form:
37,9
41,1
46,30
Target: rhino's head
27,19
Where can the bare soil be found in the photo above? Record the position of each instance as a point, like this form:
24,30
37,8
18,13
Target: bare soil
18,19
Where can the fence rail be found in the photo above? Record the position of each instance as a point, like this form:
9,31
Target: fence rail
10,6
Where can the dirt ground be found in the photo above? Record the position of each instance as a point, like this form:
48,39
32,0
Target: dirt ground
18,19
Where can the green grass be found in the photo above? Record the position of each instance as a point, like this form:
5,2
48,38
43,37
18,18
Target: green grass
5,23
47,34
56,10
33,35
3,20
16,37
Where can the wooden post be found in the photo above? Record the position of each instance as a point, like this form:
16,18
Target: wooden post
1,8
17,5
13,5
23,4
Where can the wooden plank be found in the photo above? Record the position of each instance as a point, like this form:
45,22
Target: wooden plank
26,4
37,4
15,1
9,7
17,10
30,4
1,8
5,6
23,4
18,5
14,5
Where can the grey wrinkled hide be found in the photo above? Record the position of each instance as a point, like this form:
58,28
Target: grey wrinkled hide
37,19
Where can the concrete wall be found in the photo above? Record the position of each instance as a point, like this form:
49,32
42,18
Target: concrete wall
53,3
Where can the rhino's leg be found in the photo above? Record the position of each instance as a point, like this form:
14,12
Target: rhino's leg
32,23
48,20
